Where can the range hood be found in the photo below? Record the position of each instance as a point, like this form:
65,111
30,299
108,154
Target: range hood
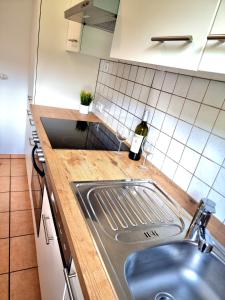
101,14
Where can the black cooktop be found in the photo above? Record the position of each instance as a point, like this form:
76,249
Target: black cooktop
71,134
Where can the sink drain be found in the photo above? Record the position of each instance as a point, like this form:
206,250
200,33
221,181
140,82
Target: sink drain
164,296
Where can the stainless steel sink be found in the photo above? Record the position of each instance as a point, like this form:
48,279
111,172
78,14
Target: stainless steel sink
127,216
175,271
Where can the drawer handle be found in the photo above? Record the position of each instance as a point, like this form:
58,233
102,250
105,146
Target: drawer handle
216,37
67,279
47,237
31,141
185,38
31,122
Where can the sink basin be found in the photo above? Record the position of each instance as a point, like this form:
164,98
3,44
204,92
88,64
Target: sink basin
175,271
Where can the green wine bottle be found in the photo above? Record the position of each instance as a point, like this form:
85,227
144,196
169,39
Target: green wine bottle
141,132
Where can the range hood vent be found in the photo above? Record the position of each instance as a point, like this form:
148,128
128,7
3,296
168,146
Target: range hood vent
101,14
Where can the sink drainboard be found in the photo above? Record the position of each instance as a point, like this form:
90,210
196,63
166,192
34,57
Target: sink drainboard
132,213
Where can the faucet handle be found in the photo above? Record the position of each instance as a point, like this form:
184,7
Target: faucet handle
208,206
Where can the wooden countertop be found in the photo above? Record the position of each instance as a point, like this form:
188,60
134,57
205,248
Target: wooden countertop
65,166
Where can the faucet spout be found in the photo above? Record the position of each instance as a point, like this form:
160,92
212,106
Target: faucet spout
197,230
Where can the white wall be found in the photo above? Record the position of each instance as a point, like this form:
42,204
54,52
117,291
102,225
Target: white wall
15,22
61,75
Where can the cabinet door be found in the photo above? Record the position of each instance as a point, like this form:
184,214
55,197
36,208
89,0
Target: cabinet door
74,36
213,59
139,21
50,266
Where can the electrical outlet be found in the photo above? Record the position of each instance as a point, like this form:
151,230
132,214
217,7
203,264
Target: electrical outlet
3,76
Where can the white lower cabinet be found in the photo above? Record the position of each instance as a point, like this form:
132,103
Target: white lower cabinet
50,266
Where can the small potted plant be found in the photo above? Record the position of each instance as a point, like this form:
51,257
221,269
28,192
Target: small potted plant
85,100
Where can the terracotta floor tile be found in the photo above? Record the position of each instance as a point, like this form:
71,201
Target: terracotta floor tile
4,184
18,167
20,201
19,184
4,225
25,285
4,167
4,202
21,223
18,156
4,287
4,255
4,155
22,253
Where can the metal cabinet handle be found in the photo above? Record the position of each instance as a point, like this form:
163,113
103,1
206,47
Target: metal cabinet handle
216,37
31,122
67,279
185,38
73,40
31,141
29,113
47,237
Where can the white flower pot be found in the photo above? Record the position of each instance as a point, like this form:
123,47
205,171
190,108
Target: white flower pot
84,109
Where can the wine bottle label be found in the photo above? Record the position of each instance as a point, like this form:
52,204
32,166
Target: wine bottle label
136,143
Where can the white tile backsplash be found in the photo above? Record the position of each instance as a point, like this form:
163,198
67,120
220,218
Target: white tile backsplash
215,94
140,75
198,189
149,75
197,89
169,125
215,149
219,128
163,101
186,120
219,184
169,82
197,139
189,111
182,85
206,117
158,79
182,178
182,131
175,106
158,119
190,159
220,204
175,150
153,97
207,170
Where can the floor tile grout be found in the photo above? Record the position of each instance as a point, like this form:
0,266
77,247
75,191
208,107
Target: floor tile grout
10,216
36,267
16,236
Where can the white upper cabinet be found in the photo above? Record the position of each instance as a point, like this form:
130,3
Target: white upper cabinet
213,59
74,35
140,21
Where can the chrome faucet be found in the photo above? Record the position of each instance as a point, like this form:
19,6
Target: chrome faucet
197,230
